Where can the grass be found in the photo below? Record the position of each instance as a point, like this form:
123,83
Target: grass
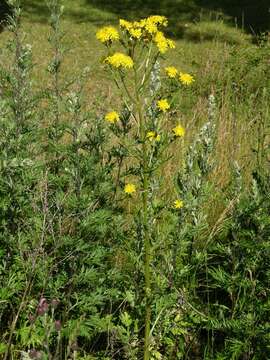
206,48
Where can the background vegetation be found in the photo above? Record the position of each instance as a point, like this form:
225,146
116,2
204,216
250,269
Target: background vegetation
71,253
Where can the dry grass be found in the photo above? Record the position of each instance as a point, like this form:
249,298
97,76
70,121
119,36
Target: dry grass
207,59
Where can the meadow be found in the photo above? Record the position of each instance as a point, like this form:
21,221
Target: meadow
134,183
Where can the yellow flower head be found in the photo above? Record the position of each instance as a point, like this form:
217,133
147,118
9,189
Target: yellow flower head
152,136
120,60
162,43
150,26
135,33
179,131
178,204
130,189
158,20
171,44
163,105
127,25
186,79
112,117
140,24
107,33
171,72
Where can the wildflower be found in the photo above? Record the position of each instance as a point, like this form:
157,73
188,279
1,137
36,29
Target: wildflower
120,60
107,33
34,354
112,117
58,325
162,43
186,79
178,131
178,204
171,44
127,25
43,307
152,136
158,20
130,189
135,33
171,71
163,105
140,24
55,303
150,26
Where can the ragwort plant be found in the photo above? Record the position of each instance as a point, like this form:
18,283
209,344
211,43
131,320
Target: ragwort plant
145,131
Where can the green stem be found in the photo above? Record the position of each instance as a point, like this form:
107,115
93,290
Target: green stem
147,245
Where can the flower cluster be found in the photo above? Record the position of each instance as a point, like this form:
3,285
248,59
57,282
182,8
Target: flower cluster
184,78
163,44
153,136
144,33
147,29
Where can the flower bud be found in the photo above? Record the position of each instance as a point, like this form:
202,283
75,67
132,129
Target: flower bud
34,354
58,325
43,307
55,303
31,318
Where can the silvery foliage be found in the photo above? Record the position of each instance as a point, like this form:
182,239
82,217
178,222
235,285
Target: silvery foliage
155,83
154,87
200,150
199,163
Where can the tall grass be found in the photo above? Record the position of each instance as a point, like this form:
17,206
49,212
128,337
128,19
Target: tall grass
120,240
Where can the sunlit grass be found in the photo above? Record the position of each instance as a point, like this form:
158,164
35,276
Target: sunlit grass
206,58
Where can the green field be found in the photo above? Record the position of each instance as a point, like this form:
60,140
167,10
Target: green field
134,206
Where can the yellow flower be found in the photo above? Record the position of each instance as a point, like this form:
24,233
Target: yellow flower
151,27
178,204
171,71
112,117
135,33
162,43
153,136
140,24
178,131
163,105
186,79
151,23
120,60
158,20
130,189
171,44
127,25
107,33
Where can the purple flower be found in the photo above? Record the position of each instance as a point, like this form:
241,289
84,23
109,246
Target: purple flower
34,354
58,325
43,307
55,303
31,318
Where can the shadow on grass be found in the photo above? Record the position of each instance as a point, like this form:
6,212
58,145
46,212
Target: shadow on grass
253,15
4,12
